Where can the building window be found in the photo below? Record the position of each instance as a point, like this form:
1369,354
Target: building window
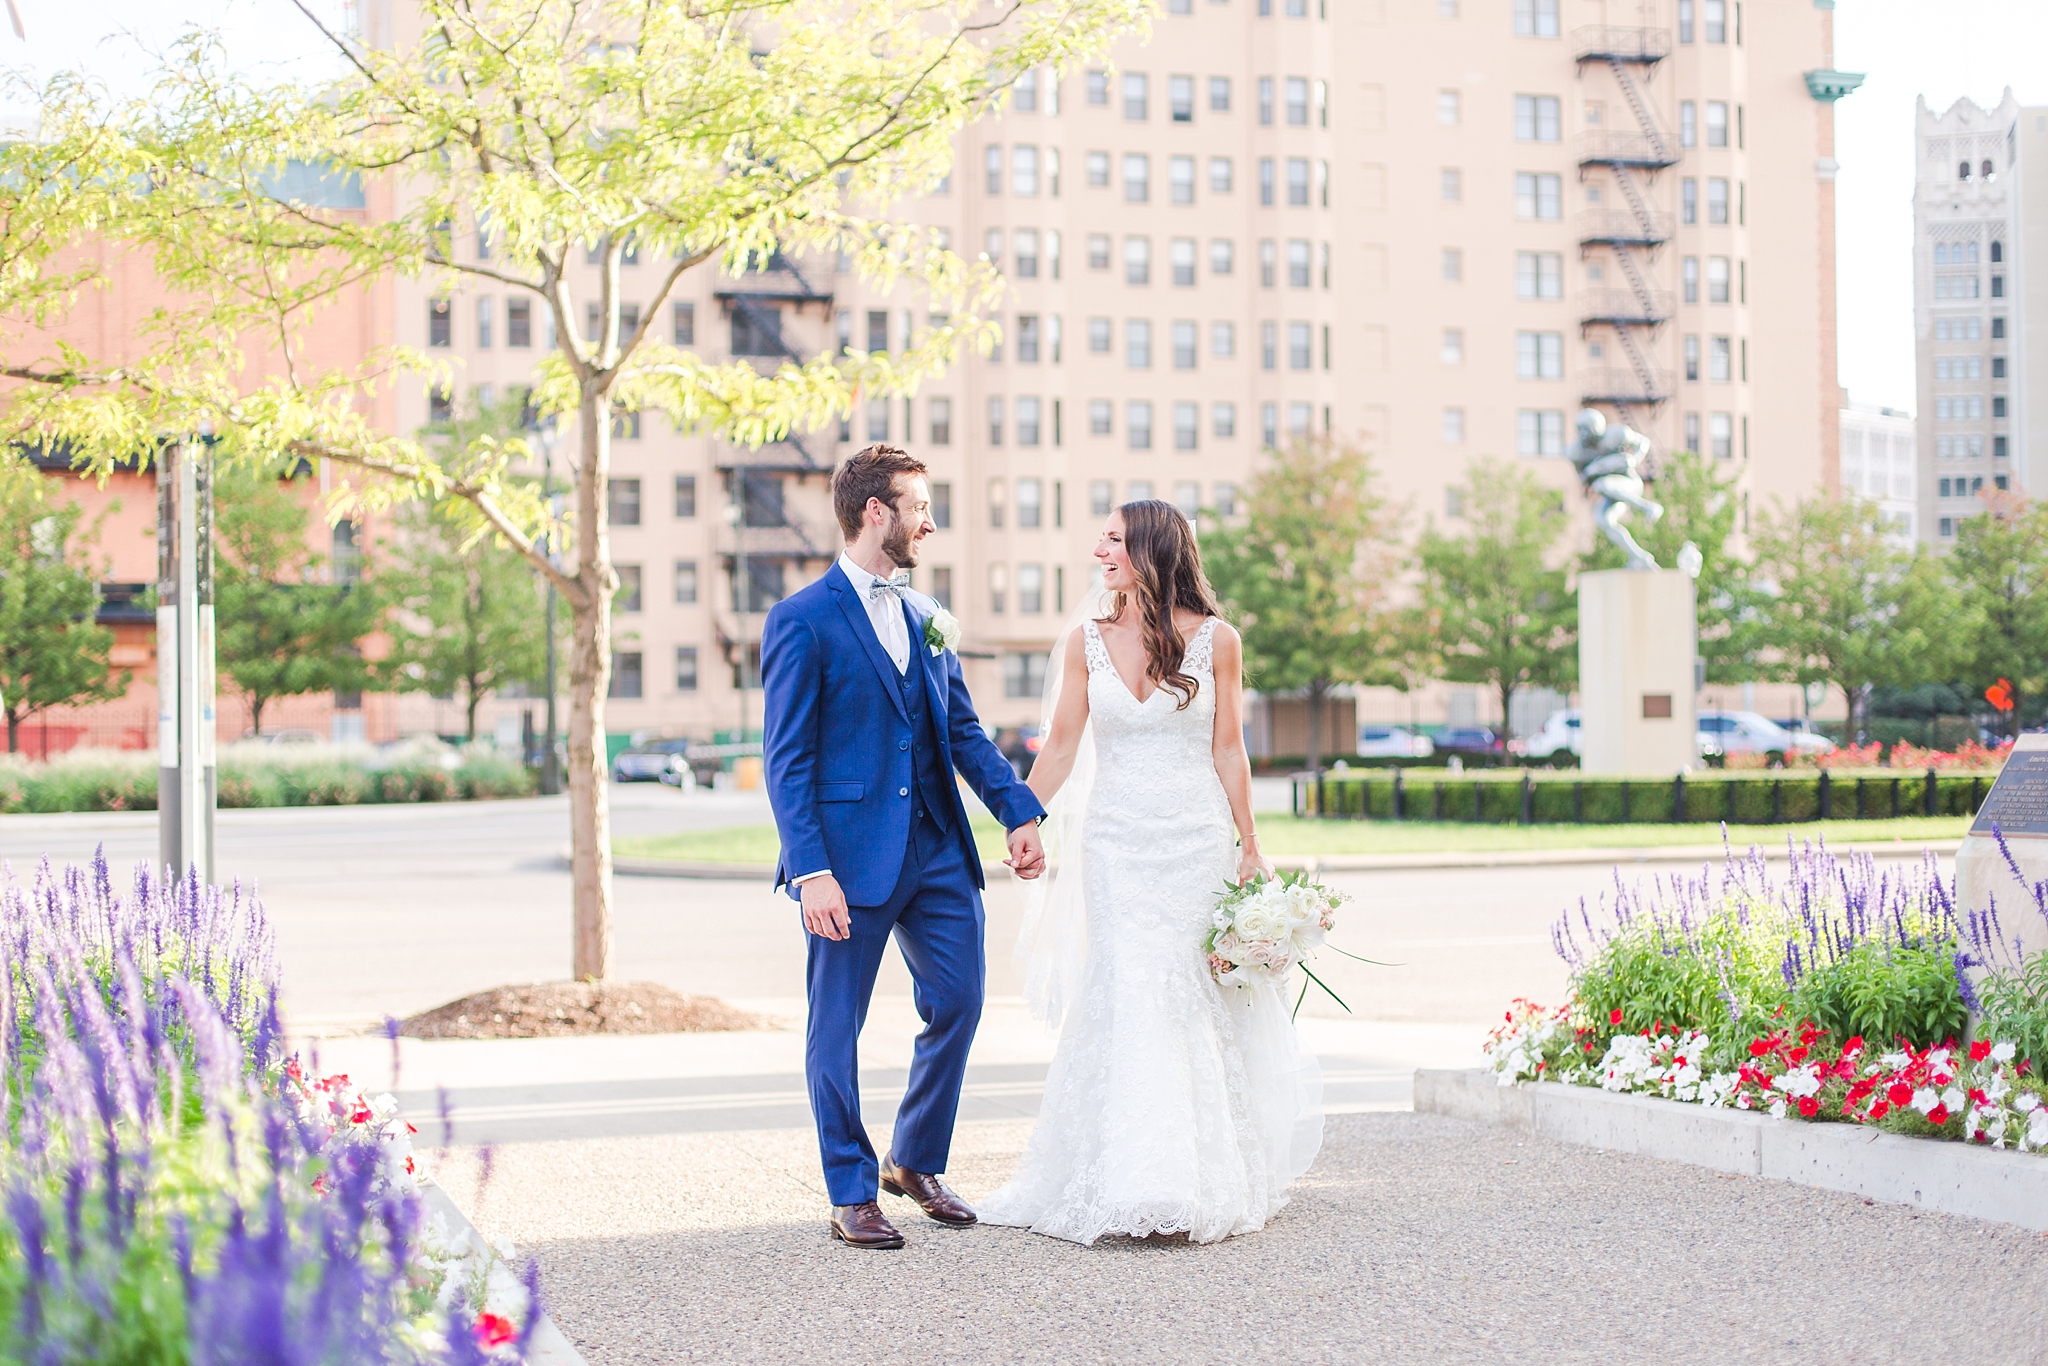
440,405
1219,94
1266,182
1447,111
756,330
622,501
1223,419
1265,101
1537,119
1721,436
1099,335
1187,426
1300,262
627,599
1138,425
1027,423
1223,340
1297,181
686,495
1030,502
1539,275
1717,199
1689,274
627,676
1451,347
1450,186
1692,432
1180,175
1688,200
1717,123
1180,94
519,322
483,322
1269,256
1030,588
1024,171
686,668
992,161
683,324
1186,343
1300,417
1539,195
1685,16
1300,347
1269,423
1101,498
1026,243
1719,359
1452,264
1027,338
1138,344
998,586
1716,20
1717,279
1297,101
1098,170
1024,671
1219,175
1539,355
878,419
686,582
1535,18
1137,177
1097,83
440,323
1692,359
1453,426
942,586
1134,96
1183,261
940,413
1269,346
995,422
1539,432
1098,251
1688,124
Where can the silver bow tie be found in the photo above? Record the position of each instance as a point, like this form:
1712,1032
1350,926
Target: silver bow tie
897,583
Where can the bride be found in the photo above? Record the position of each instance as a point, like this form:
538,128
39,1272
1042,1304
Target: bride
1174,1105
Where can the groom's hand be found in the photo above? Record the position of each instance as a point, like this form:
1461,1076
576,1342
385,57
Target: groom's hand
1027,852
825,908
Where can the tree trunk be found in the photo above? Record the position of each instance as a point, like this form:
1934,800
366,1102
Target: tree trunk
255,714
1316,692
14,732
1507,713
590,671
475,699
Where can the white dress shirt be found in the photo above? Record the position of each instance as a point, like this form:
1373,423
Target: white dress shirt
885,611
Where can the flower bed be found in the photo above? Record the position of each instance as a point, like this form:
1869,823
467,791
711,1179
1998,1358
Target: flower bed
255,774
178,1189
1838,993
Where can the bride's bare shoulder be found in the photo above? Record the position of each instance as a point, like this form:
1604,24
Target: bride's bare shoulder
1226,637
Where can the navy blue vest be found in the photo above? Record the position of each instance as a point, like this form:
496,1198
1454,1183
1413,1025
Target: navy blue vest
927,766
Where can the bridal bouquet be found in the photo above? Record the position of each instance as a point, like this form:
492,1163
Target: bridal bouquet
1265,926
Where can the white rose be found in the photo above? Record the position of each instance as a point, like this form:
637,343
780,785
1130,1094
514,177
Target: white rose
942,630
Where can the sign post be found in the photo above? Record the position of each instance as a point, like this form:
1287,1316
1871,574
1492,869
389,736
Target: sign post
186,760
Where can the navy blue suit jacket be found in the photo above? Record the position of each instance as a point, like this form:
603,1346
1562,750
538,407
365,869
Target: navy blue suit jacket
837,741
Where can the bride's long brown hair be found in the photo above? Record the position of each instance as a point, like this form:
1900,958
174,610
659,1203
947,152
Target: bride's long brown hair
1166,565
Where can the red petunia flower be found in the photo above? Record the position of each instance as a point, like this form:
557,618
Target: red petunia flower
1980,1050
1809,1106
1797,1055
1757,1048
1899,1092
1938,1116
1879,1110
1977,1094
1614,1016
494,1330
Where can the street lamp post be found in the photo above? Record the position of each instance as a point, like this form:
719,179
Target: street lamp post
742,584
186,772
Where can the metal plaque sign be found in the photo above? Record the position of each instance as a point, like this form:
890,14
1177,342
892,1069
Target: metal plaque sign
2018,802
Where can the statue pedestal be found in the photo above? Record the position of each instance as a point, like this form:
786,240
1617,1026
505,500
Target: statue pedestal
1983,880
1637,640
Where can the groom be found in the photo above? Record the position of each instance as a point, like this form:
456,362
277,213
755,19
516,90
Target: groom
867,720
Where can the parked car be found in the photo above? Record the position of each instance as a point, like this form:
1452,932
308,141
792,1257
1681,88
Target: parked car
1557,743
1468,741
1020,745
1722,733
656,761
1393,742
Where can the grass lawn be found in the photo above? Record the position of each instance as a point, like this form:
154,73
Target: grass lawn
1285,835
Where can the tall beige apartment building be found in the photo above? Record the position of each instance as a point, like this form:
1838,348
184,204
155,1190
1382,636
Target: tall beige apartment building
1438,226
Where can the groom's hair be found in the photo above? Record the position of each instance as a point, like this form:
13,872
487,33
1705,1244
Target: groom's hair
869,472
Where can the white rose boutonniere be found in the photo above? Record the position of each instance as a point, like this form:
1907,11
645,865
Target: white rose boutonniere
942,631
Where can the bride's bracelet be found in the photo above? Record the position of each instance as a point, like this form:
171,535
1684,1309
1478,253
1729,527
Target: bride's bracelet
1251,838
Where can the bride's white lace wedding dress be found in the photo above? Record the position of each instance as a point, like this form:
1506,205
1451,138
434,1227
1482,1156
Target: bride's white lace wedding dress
1174,1104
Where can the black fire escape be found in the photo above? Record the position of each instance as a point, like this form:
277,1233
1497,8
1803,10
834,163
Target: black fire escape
1633,231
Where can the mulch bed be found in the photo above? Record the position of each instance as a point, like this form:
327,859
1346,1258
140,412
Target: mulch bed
551,1010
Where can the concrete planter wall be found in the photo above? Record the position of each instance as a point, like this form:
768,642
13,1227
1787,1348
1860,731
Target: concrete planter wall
549,1347
1951,1178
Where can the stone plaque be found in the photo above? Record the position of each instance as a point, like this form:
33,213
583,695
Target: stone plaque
2018,801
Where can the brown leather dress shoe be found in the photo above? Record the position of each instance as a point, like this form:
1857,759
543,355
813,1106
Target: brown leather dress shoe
864,1225
929,1192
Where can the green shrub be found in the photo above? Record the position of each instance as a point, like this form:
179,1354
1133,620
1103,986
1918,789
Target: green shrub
1887,992
2014,1006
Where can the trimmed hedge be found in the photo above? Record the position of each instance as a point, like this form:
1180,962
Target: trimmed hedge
258,775
1564,798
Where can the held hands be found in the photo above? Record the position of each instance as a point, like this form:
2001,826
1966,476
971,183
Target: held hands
1250,862
824,904
1027,852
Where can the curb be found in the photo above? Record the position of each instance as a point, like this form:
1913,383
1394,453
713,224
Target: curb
1949,1178
1316,864
549,1347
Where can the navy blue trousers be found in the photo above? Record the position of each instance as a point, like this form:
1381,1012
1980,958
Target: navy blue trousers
935,913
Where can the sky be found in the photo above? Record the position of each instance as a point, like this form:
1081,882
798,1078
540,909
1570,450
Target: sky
1942,49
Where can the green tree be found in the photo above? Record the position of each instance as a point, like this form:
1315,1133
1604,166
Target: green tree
1308,574
471,613
284,624
724,138
52,653
1840,601
1496,605
1700,506
2000,570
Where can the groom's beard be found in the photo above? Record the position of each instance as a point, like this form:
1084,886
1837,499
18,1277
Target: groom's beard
898,544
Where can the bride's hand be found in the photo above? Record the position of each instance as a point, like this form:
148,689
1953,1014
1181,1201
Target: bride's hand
1250,862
